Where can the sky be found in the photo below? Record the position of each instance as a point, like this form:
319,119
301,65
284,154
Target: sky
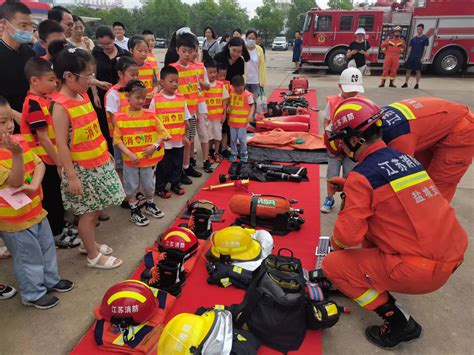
251,5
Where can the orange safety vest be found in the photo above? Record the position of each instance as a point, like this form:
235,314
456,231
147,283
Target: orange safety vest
32,139
146,73
137,134
153,62
171,113
143,338
88,146
215,106
188,85
239,109
123,106
33,209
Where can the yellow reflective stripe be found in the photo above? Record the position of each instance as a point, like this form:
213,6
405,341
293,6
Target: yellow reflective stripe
45,111
348,107
81,110
410,180
11,212
132,330
240,112
126,294
145,72
404,109
90,154
238,119
136,123
338,243
170,104
367,297
215,90
28,137
179,234
219,110
219,307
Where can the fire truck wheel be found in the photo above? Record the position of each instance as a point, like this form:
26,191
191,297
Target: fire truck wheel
336,60
449,61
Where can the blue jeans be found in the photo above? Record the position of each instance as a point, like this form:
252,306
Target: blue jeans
118,158
254,89
34,259
239,134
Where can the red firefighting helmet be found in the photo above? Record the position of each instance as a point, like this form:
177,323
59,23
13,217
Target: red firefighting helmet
178,238
129,302
333,146
353,116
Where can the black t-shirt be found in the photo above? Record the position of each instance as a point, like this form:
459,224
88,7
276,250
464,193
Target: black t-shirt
359,57
238,68
13,84
106,70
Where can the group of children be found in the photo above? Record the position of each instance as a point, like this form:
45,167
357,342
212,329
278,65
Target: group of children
61,148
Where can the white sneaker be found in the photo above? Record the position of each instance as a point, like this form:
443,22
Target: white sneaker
137,217
328,205
152,210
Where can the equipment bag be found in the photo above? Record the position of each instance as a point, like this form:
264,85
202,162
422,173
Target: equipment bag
298,82
273,308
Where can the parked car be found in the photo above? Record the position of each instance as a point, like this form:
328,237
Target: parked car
160,43
280,43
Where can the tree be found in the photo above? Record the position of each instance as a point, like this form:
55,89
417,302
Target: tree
163,17
296,15
204,14
231,15
340,4
269,19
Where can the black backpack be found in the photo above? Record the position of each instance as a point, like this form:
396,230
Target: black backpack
273,308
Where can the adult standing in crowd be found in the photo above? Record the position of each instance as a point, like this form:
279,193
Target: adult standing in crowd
260,42
224,39
297,52
416,52
14,53
237,33
119,31
234,55
255,68
210,47
105,54
77,38
358,52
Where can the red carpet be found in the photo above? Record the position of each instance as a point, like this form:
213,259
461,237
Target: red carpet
197,293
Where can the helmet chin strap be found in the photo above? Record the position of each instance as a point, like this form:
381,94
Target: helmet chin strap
353,148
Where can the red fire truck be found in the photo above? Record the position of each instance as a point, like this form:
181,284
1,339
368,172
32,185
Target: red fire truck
449,24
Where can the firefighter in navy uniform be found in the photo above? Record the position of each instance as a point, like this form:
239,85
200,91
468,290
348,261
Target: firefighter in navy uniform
410,239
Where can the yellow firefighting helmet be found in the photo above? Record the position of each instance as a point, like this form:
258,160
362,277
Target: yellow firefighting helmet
235,243
185,332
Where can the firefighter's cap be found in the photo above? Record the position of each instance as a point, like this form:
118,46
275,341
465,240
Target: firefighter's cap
351,80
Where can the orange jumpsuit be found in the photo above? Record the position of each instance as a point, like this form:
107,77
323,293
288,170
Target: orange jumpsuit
392,48
411,240
439,133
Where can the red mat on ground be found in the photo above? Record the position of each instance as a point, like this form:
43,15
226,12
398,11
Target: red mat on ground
197,293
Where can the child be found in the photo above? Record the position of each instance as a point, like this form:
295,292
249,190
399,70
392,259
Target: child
350,85
217,99
189,87
241,109
36,126
172,111
25,230
89,182
221,75
138,48
49,31
116,101
151,42
139,135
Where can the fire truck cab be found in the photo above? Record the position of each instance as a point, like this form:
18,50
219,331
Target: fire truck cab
449,26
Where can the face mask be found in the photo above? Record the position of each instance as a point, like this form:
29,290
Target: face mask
22,36
251,43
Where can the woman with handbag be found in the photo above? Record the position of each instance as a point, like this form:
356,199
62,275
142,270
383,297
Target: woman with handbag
358,52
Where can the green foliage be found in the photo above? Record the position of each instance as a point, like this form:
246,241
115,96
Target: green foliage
340,4
296,15
269,20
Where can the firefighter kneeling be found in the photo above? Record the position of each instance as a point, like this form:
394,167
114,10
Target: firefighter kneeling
411,240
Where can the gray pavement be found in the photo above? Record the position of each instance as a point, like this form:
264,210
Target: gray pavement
447,315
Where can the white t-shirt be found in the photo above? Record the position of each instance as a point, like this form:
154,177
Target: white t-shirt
225,93
112,100
251,68
122,43
187,116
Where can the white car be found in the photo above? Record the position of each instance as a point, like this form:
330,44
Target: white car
201,41
280,43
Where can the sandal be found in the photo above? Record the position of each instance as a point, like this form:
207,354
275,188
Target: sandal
165,194
104,249
103,217
178,190
109,264
4,253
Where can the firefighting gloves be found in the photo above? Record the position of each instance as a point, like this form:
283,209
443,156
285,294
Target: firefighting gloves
321,315
225,275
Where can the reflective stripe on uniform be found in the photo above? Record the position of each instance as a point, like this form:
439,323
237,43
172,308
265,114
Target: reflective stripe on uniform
404,109
367,297
409,180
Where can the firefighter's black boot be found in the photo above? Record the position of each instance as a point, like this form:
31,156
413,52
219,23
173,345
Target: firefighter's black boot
398,326
200,222
165,276
392,84
382,84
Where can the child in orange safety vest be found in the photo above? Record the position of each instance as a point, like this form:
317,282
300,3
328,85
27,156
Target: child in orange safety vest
221,75
150,40
241,109
138,48
139,135
217,99
89,181
36,126
172,110
392,48
23,226
116,101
